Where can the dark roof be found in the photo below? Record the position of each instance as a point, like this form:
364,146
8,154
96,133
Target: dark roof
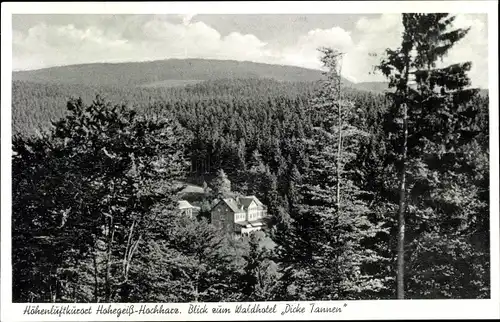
242,223
247,200
253,223
231,203
240,204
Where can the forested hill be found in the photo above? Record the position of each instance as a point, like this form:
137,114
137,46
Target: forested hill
178,72
164,73
35,105
40,96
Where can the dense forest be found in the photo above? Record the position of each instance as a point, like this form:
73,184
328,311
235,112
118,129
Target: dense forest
372,195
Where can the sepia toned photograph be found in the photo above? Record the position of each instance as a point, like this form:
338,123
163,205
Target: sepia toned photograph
197,158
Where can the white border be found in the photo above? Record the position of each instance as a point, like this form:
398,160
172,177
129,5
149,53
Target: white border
416,309
248,7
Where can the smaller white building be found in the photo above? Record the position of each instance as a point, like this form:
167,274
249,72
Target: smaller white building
187,209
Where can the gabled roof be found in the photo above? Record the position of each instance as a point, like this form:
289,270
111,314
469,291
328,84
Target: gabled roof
231,203
240,204
183,204
247,200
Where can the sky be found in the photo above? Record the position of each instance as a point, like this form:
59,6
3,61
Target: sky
41,41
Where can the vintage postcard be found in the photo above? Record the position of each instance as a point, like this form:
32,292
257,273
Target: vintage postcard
249,161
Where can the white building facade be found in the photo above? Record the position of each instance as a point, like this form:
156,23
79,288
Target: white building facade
240,215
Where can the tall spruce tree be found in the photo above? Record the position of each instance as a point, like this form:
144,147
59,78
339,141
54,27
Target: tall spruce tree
324,254
429,125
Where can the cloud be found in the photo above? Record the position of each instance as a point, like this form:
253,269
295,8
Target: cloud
186,19
198,40
150,37
379,25
305,51
44,45
377,34
473,47
369,36
48,45
374,36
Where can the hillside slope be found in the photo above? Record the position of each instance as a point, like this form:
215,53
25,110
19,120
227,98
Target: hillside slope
177,73
164,73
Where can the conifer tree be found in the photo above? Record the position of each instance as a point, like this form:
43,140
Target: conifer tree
428,126
325,248
222,185
258,280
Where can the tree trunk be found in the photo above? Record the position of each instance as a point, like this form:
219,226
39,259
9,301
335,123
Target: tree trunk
402,188
339,154
401,211
76,282
127,250
96,281
195,289
339,149
192,161
75,286
132,251
111,233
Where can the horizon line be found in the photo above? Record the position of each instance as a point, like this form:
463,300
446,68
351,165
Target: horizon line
351,79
